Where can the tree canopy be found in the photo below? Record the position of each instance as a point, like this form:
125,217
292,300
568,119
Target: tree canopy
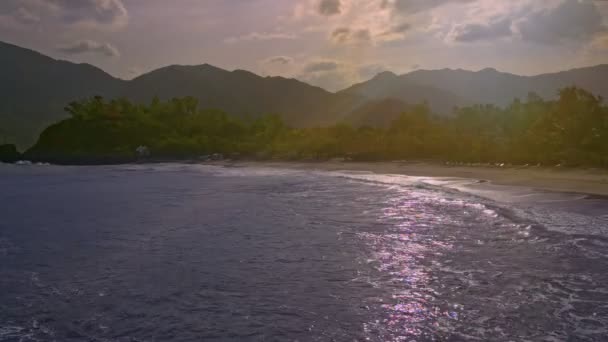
572,130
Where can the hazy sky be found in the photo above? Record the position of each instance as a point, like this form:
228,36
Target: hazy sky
331,43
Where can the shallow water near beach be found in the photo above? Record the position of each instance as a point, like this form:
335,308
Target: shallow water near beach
193,252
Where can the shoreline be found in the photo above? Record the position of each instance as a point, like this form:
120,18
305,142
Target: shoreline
590,181
584,181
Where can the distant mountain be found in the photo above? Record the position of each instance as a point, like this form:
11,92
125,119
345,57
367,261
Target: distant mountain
35,89
446,88
388,85
243,93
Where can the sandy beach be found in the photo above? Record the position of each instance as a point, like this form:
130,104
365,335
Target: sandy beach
589,181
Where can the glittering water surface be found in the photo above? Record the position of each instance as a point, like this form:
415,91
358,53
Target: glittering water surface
190,253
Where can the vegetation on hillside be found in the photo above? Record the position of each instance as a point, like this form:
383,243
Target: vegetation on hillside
35,88
572,130
9,153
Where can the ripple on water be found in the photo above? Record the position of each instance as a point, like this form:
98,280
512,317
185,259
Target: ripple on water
463,270
187,252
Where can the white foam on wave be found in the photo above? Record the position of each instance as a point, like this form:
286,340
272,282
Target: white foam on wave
569,213
387,179
16,333
256,172
36,332
554,210
11,331
412,181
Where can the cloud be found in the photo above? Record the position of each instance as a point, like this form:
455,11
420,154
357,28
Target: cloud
327,73
345,35
19,14
329,7
395,32
401,28
570,20
257,36
321,66
110,14
416,6
340,35
278,66
600,43
595,51
368,71
89,46
333,75
358,22
545,23
282,60
481,31
26,16
134,71
87,14
332,80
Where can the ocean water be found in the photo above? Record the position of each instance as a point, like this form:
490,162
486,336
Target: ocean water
175,252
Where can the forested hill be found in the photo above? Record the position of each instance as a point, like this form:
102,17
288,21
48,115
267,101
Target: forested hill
35,89
243,94
572,130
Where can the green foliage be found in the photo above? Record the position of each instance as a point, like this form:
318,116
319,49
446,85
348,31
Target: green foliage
9,153
572,130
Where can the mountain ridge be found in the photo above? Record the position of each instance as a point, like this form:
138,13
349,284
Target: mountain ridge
486,86
37,87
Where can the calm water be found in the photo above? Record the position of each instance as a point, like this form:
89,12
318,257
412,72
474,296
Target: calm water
189,253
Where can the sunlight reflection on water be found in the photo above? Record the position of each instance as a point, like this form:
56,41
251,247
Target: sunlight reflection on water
415,255
190,252
399,252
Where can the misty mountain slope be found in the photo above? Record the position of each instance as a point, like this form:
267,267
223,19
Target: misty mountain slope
388,85
447,88
592,79
500,88
35,89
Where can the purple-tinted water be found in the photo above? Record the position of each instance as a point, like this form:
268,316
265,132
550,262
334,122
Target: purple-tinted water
190,253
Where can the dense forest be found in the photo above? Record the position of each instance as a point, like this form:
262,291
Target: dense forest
572,130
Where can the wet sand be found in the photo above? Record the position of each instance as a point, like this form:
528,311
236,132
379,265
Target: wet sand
588,181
